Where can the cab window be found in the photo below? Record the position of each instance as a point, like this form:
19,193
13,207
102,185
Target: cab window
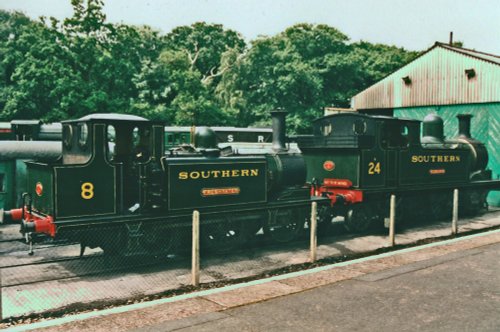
83,135
142,143
326,128
394,136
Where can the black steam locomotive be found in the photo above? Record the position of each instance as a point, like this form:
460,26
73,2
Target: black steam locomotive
358,161
135,198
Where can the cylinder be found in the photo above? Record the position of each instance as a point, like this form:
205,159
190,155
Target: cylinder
279,130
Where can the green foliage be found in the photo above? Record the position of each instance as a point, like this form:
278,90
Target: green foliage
200,74
40,79
204,45
376,61
301,70
58,70
182,80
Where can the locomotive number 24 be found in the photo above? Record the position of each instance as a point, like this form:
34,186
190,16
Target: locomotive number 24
374,168
87,190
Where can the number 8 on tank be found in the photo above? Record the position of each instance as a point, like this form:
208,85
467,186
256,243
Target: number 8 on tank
87,190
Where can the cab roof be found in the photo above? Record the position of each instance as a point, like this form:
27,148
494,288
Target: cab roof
365,116
109,118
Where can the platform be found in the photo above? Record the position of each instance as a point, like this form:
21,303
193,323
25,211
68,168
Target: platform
445,286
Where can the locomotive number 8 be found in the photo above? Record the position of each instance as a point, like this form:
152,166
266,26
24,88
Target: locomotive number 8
374,168
87,190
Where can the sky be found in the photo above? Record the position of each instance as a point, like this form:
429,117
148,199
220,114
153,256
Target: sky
412,24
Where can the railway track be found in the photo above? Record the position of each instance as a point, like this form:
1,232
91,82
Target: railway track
96,265
50,267
61,261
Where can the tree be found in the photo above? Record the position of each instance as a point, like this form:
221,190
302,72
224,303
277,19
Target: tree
57,70
375,61
204,45
202,73
294,70
302,70
12,26
39,82
179,85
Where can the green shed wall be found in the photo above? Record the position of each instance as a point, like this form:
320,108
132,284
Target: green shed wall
485,127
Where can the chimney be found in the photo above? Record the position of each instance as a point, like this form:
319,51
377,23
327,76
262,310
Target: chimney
451,38
464,125
279,130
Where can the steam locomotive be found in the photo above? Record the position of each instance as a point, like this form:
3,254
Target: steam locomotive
137,199
358,161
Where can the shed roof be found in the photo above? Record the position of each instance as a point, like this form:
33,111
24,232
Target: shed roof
473,53
438,76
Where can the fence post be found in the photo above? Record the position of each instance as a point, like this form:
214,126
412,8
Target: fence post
454,220
392,221
1,286
195,260
314,237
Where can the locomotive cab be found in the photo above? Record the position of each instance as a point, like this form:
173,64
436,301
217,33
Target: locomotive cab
104,158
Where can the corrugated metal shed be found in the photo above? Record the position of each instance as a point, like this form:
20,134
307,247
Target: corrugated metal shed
447,81
443,75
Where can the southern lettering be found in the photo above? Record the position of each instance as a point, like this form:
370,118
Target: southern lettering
228,173
435,159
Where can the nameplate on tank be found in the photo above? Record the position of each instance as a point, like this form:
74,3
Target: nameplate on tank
195,183
220,191
218,173
435,159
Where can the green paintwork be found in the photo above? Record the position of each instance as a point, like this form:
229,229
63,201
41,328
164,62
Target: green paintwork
173,139
346,165
64,182
88,189
188,193
41,173
485,127
7,185
70,195
413,173
371,162
12,183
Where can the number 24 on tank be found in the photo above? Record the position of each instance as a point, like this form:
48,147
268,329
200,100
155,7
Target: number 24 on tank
374,168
